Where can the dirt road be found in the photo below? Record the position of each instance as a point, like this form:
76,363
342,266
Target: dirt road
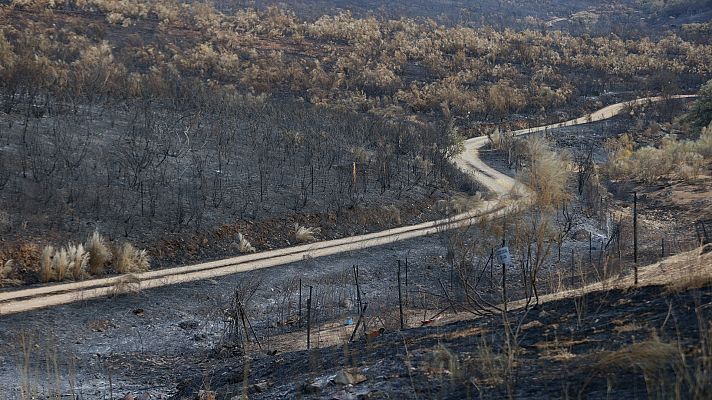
505,187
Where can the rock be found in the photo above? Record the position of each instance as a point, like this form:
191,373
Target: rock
581,235
375,334
206,395
311,387
343,395
259,387
349,377
188,325
375,395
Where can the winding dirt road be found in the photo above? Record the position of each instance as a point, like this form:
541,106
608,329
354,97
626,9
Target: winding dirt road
47,296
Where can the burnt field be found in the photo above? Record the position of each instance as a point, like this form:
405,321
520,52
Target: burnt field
145,173
632,344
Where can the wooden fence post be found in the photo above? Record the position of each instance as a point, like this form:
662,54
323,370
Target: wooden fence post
400,296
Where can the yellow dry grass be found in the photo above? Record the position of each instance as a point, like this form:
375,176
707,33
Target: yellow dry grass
6,268
130,260
305,234
100,253
649,356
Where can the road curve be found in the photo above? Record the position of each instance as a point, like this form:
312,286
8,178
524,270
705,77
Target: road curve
46,296
504,185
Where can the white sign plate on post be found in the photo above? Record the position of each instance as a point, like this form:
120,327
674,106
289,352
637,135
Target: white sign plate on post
504,256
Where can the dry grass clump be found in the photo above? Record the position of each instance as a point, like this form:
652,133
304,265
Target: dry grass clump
78,261
100,253
649,356
490,365
131,260
46,264
685,283
305,234
59,264
127,284
461,203
445,362
393,214
243,245
5,271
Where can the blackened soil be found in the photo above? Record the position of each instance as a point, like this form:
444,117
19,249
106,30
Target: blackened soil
558,355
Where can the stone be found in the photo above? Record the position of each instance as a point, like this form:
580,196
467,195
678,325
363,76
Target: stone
207,395
188,325
259,387
311,387
349,377
581,235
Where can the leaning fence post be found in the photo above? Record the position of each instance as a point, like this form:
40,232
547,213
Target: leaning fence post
358,287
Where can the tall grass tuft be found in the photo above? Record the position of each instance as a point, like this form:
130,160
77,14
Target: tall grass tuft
5,271
78,261
46,264
243,245
131,260
60,262
305,234
99,253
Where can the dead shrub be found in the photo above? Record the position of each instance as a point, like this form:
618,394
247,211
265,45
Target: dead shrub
128,284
